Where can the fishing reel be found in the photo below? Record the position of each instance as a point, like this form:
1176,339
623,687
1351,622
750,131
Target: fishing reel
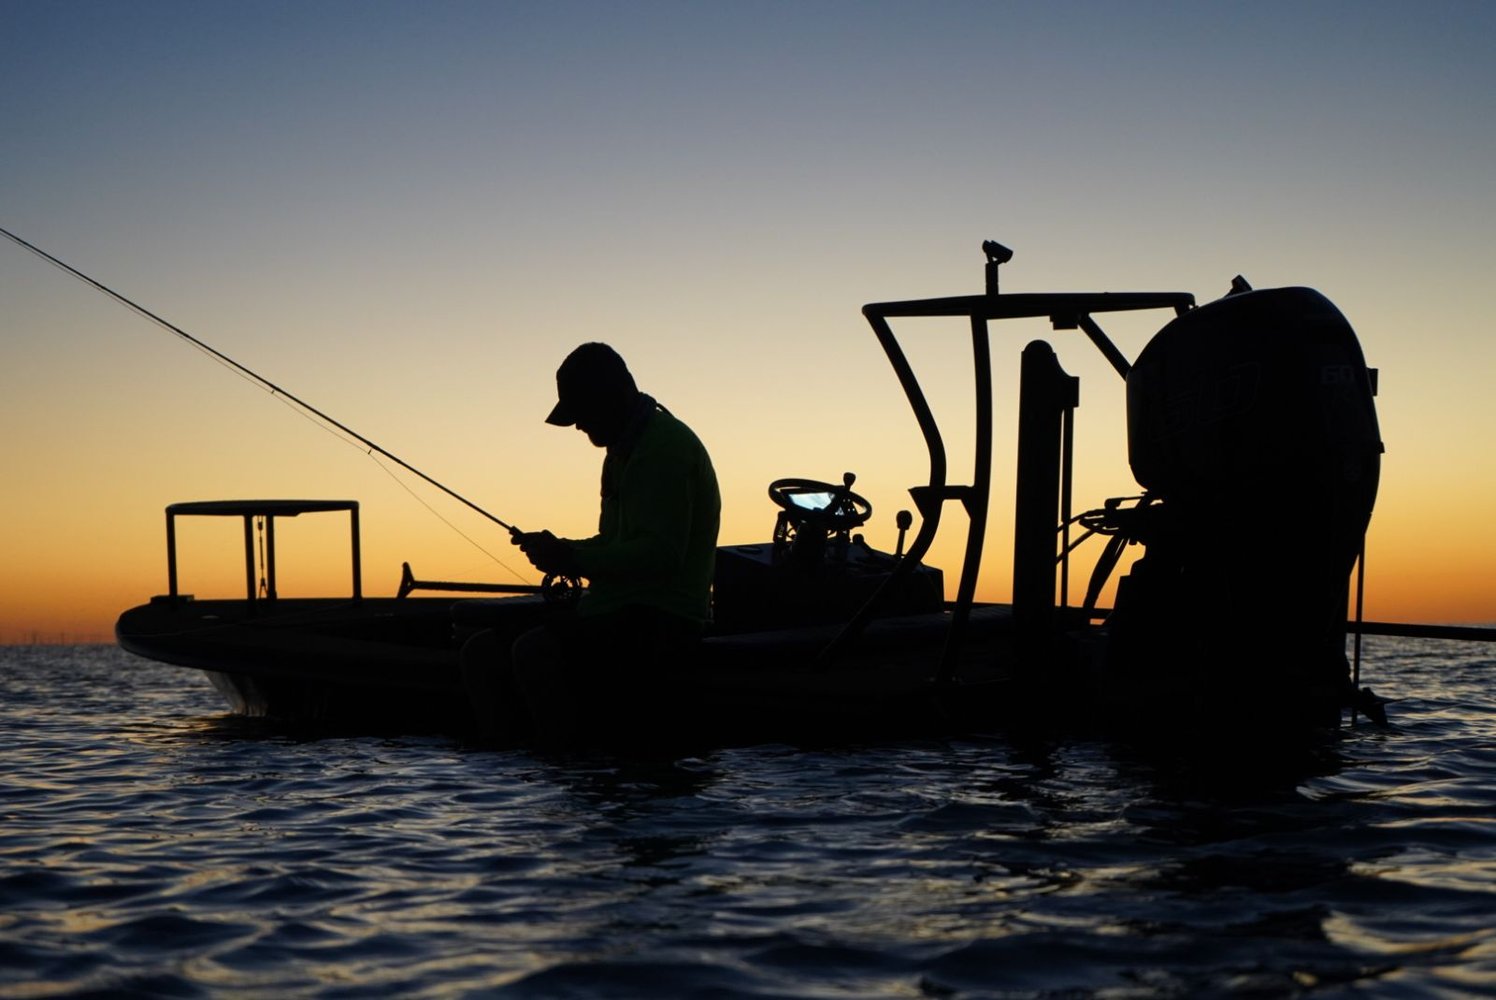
544,549
559,589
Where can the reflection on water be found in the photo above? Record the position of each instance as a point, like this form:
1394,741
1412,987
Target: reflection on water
150,844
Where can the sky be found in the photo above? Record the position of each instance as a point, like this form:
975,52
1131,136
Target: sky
408,213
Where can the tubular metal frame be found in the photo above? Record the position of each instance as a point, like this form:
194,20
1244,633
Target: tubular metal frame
1065,311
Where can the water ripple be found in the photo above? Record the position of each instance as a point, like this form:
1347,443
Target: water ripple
152,846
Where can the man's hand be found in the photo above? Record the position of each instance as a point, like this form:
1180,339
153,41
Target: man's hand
547,553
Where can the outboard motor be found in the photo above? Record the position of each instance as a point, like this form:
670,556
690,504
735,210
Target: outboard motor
1251,425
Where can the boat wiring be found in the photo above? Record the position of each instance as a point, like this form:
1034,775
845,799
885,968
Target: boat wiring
264,580
1360,619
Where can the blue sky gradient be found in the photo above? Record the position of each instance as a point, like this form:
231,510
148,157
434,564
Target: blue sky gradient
409,212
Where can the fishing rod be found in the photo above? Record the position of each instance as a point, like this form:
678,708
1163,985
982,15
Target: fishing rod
256,376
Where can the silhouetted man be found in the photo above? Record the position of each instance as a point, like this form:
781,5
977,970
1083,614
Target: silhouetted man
648,568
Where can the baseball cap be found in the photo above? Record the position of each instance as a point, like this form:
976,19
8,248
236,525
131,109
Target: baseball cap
591,371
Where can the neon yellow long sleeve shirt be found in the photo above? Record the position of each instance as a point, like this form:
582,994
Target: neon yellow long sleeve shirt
657,532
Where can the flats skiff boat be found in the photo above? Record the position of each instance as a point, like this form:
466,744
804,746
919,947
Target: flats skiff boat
1253,413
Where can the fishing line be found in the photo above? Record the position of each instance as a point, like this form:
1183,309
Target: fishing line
308,410
438,515
397,481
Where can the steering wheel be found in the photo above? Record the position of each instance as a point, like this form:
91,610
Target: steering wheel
814,504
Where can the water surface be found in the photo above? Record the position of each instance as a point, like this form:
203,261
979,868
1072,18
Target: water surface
152,845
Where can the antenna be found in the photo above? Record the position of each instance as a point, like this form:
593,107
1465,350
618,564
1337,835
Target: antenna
997,255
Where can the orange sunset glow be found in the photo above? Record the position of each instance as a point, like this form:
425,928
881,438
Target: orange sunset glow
408,220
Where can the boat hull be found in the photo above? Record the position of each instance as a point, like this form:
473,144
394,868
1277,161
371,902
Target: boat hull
396,664
382,663
375,662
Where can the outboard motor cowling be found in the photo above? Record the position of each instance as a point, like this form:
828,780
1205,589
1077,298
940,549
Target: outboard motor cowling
1251,419
1259,389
